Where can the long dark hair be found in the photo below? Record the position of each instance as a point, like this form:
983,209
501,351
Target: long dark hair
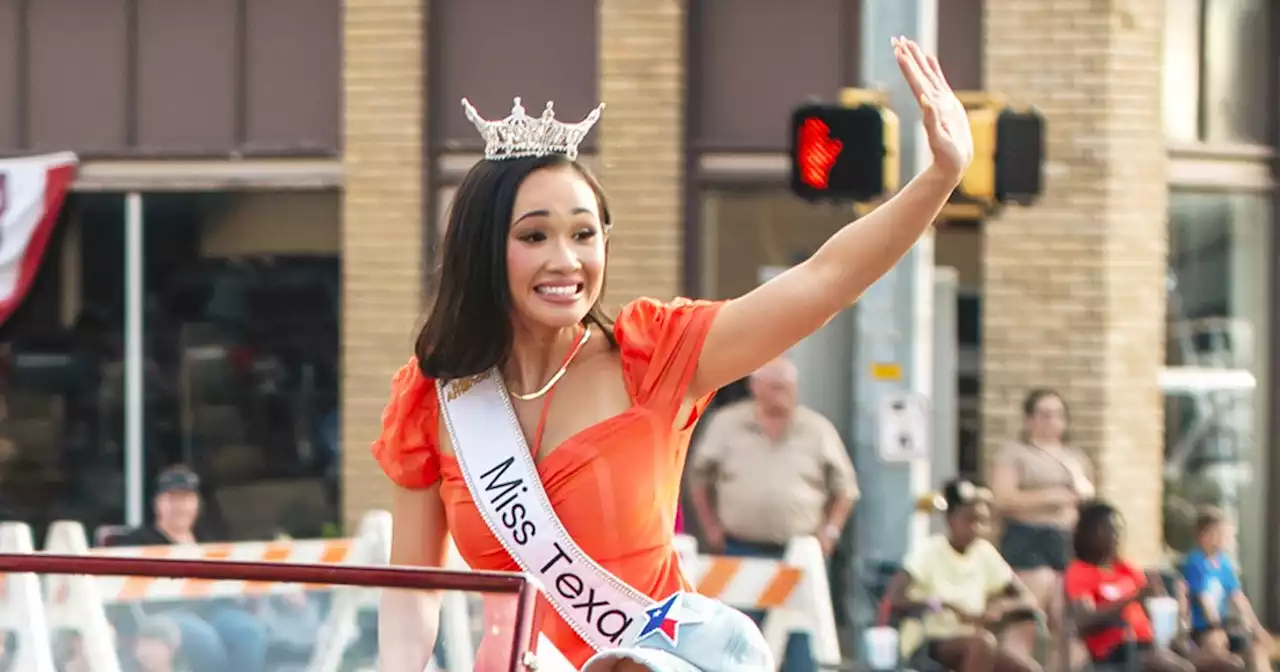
468,328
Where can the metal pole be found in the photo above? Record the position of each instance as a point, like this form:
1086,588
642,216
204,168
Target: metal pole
893,320
135,304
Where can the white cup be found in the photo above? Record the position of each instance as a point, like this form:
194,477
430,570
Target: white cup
882,647
1164,618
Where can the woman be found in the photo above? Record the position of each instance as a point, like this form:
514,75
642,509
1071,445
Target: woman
1038,481
578,465
964,594
1107,597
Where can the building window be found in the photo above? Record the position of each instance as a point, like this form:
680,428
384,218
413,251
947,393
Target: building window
240,356
1216,382
1182,70
1217,76
48,391
744,231
1237,77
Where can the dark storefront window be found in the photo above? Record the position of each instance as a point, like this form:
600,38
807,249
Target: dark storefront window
1217,381
57,458
240,359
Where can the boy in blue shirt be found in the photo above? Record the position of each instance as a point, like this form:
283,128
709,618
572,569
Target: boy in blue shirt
1214,591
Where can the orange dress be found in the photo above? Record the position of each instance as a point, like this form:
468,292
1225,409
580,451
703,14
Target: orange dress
614,485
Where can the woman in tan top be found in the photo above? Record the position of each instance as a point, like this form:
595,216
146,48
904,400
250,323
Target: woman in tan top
1038,482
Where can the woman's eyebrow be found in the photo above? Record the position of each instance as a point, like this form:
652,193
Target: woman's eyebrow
547,213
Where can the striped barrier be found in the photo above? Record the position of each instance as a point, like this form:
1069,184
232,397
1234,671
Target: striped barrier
144,589
79,602
793,592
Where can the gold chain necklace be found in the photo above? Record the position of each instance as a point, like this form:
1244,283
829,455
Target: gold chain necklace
586,336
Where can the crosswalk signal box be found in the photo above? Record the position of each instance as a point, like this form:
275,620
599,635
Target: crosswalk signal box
1008,156
844,152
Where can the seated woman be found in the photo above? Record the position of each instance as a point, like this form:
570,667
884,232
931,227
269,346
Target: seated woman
952,583
1106,596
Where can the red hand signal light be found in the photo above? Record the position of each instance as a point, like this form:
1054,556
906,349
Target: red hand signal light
841,153
816,152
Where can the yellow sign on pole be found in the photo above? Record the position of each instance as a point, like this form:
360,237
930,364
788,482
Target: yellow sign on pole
886,371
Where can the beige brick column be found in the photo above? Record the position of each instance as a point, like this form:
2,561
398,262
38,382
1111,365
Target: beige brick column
642,79
382,230
1074,287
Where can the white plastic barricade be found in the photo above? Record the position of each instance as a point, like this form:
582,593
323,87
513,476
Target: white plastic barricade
79,602
21,607
456,614
687,551
793,592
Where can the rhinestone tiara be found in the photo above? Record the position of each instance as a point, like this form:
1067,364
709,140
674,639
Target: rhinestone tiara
520,135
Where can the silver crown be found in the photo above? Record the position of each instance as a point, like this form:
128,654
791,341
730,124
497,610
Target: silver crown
520,135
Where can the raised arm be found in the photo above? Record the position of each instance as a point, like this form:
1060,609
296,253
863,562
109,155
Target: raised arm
408,620
761,325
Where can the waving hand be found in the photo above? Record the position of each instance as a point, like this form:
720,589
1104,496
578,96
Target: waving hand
945,121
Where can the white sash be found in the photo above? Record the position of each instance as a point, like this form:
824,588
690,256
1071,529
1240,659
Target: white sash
500,473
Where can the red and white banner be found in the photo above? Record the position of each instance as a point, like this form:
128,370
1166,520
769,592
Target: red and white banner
32,190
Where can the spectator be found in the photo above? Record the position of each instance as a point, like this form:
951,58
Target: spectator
176,506
1038,481
214,636
952,583
778,471
1215,592
1107,593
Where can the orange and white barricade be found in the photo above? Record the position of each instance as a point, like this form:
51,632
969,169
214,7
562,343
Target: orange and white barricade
79,602
793,592
21,608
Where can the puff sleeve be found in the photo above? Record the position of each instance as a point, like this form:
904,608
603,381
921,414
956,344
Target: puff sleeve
660,344
407,449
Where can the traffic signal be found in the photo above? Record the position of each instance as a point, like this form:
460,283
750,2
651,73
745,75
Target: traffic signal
846,152
1019,156
1008,153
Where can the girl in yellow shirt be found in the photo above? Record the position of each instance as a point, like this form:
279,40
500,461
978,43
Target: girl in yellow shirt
955,592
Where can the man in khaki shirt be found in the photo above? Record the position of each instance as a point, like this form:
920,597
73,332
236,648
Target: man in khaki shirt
778,471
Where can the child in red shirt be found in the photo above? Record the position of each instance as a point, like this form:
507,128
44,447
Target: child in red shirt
1107,594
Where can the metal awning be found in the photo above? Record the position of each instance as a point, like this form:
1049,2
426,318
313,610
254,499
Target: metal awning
209,175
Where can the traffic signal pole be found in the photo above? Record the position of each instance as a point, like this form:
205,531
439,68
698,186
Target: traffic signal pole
893,346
